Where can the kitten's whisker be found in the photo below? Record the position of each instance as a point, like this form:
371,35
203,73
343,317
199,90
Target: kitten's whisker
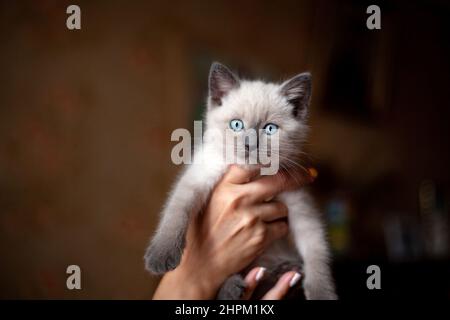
286,169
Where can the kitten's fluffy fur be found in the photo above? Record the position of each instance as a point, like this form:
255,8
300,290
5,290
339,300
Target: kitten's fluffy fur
256,103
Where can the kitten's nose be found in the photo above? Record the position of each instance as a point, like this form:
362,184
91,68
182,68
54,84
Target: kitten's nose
250,147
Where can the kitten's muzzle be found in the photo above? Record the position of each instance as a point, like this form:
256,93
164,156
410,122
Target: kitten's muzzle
251,146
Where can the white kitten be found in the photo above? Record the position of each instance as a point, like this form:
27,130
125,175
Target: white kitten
242,105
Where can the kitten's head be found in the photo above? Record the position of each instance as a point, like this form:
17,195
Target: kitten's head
267,109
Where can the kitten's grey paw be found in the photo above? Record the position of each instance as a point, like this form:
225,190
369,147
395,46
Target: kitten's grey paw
160,259
232,289
319,291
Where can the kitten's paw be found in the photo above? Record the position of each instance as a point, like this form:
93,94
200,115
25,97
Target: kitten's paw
160,259
232,289
315,290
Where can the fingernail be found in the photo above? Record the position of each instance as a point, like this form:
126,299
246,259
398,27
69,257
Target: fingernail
260,273
297,276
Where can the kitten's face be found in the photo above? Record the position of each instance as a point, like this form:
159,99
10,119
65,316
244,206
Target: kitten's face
259,115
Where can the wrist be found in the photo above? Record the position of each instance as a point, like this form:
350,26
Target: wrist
201,280
188,282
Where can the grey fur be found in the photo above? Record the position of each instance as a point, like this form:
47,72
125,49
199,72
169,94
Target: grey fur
256,103
232,289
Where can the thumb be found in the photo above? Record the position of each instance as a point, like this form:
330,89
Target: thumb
239,175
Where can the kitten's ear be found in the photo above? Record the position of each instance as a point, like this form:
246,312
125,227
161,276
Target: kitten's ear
297,91
221,81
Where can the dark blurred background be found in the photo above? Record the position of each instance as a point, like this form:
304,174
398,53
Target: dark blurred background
86,118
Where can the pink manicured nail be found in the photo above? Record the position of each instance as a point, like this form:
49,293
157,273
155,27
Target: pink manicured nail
260,273
297,276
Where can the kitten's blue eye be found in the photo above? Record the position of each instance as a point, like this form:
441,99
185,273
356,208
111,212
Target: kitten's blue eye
236,125
270,128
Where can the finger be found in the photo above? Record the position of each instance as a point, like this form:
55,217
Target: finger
270,211
267,187
239,175
276,230
252,279
286,281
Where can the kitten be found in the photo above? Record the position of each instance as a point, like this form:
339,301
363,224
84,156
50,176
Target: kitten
241,105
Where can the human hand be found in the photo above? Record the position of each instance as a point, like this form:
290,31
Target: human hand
239,222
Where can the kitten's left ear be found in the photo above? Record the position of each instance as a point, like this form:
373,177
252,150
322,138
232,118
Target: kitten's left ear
297,91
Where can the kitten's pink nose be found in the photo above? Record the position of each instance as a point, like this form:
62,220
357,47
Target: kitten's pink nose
249,148
251,145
